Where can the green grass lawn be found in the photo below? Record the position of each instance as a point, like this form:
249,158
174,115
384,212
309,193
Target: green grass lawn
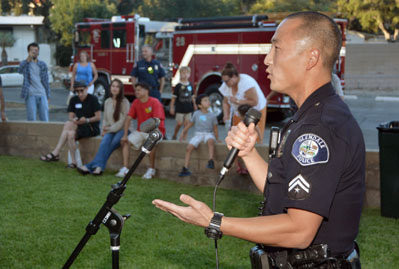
45,208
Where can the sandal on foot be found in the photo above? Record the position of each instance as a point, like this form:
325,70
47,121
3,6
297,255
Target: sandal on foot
97,171
50,157
71,165
83,170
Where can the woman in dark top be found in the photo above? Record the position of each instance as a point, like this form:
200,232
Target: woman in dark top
84,121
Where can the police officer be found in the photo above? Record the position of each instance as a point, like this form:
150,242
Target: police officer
314,186
150,71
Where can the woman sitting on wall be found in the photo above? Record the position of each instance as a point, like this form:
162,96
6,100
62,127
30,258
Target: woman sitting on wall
115,111
84,113
239,89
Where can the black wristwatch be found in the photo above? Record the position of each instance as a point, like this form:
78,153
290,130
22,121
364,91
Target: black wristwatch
213,230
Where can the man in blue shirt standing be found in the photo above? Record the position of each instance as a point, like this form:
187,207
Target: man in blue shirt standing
150,71
35,88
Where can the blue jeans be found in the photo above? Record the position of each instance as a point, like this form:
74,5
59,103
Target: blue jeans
34,104
109,143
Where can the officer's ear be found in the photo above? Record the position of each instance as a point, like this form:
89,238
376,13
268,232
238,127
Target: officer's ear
313,58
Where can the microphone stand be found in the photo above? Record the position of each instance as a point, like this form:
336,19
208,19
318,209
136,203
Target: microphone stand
108,215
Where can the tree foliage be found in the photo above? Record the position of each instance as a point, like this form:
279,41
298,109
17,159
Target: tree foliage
265,6
5,7
172,9
66,13
6,40
374,15
125,7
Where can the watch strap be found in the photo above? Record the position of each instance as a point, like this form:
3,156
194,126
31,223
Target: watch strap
213,230
216,220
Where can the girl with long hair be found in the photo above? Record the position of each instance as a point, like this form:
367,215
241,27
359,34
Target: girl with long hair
116,108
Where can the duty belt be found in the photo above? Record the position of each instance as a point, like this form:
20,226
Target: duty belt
315,256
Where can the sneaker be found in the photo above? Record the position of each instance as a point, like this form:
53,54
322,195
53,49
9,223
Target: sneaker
122,172
149,174
184,172
211,164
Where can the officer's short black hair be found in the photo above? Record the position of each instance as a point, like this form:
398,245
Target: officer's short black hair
33,44
323,31
200,97
143,85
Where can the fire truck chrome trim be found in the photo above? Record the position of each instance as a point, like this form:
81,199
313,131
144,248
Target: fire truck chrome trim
124,79
269,28
214,49
342,52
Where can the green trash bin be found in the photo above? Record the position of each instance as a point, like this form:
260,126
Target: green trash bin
388,140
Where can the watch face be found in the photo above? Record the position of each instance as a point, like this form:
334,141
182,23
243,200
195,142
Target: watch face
217,218
213,230
213,233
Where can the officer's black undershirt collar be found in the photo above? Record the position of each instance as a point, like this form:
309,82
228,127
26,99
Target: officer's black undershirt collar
317,96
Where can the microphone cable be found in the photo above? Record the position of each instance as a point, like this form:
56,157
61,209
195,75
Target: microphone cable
252,116
221,176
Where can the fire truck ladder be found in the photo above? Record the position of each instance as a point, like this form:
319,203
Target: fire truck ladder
221,22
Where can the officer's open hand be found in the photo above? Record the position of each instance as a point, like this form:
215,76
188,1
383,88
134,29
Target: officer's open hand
197,212
242,137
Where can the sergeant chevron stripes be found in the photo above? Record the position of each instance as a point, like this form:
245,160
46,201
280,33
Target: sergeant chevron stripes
299,183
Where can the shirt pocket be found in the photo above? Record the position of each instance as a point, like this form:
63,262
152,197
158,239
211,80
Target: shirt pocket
276,187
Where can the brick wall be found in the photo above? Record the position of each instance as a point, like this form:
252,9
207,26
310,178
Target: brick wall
32,139
372,66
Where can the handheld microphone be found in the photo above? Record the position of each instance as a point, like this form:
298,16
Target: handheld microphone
150,125
252,116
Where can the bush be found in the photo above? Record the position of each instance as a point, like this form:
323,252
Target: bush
63,55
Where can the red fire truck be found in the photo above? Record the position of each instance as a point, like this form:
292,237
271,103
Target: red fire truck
203,44
114,45
206,44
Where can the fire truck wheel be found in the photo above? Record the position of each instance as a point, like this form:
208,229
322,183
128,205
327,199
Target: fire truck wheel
216,99
101,89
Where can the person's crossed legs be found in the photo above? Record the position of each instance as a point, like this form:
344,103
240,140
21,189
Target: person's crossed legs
68,134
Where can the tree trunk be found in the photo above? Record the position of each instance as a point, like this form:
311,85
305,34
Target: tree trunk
395,34
387,35
4,60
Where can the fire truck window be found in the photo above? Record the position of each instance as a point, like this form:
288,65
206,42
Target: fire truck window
105,36
84,39
119,39
141,31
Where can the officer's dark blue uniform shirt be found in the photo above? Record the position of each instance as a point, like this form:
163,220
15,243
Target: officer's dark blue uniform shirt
148,72
320,167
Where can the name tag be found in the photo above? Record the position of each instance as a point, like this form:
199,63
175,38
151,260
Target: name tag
78,106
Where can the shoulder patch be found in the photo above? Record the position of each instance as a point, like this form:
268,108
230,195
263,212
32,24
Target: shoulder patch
299,188
309,149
